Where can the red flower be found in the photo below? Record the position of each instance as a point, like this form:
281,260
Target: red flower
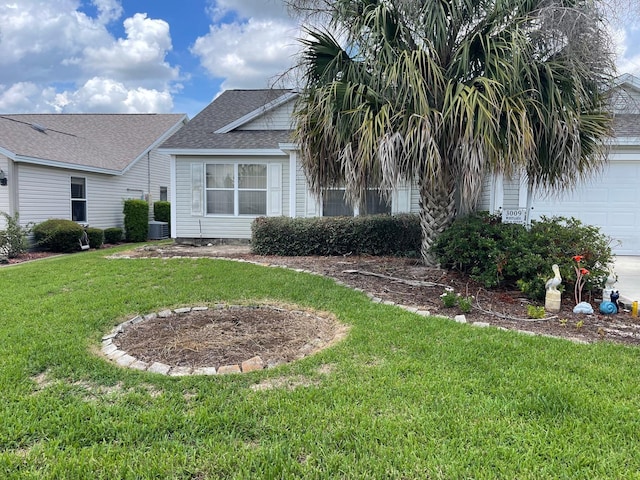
584,271
578,258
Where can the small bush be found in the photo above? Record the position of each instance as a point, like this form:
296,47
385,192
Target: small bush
113,235
366,235
136,220
14,238
58,235
162,212
96,237
509,255
536,312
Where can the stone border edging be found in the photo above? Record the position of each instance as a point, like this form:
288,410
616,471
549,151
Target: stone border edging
123,359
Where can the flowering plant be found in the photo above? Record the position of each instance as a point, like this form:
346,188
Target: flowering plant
581,272
452,299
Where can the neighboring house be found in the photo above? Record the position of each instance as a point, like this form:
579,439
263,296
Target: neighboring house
82,167
610,200
235,161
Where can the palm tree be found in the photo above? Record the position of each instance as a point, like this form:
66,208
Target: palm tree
443,92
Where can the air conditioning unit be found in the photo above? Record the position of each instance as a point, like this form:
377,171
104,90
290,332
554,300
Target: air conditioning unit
158,230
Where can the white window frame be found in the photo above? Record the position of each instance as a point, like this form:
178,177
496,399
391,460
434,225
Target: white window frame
236,189
83,200
356,210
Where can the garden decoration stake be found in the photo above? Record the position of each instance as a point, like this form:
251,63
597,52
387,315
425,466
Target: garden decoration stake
552,299
581,272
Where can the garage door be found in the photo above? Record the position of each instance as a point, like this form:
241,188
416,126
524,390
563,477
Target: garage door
611,201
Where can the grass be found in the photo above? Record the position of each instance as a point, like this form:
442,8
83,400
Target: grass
401,397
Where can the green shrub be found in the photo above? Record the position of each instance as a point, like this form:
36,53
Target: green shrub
58,235
96,237
136,220
365,235
536,312
162,212
113,235
14,238
509,255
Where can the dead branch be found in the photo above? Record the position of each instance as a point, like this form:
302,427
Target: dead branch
508,317
413,283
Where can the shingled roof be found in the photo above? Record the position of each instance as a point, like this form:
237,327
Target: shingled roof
106,143
206,131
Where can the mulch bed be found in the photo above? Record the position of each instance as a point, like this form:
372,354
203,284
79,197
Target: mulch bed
219,337
230,335
409,282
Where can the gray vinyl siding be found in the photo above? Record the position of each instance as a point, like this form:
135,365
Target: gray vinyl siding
44,192
5,204
279,118
189,226
511,193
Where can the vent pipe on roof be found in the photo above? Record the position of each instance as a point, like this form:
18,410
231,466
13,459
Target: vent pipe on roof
38,127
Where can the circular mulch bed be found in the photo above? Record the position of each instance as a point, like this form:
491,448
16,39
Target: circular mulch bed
230,335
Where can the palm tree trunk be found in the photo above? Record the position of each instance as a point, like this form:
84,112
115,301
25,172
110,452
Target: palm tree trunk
437,212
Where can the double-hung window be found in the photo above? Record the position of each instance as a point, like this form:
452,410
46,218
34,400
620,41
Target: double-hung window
236,189
78,199
334,204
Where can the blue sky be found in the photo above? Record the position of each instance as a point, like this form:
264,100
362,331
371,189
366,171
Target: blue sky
131,56
134,56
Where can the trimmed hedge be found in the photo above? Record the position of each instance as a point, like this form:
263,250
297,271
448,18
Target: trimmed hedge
162,211
96,237
136,220
58,235
365,235
113,235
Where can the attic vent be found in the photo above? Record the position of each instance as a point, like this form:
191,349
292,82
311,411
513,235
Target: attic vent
38,127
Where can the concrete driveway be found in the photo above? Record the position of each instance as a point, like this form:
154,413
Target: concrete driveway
628,270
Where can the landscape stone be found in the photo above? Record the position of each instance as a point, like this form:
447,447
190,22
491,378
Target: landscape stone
157,367
125,360
139,365
180,371
229,369
205,371
165,313
481,324
460,319
252,364
116,355
109,349
183,310
151,316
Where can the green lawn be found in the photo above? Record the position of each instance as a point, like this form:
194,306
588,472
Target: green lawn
402,397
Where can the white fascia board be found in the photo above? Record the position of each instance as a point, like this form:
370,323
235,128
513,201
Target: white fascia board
257,112
289,147
7,153
223,151
68,166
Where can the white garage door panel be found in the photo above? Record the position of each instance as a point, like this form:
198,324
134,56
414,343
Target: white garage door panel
611,202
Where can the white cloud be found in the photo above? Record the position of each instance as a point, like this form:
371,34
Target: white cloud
54,57
254,49
106,95
140,56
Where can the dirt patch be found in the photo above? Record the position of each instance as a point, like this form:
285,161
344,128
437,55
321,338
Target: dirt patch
230,335
408,282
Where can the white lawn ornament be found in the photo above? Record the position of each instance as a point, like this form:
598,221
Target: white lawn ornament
553,297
